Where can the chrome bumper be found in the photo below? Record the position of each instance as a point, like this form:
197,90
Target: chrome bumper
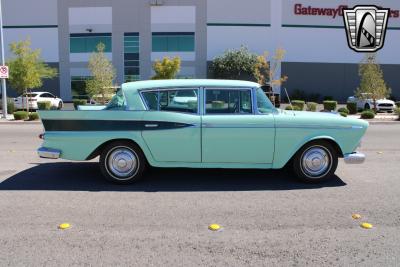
354,158
49,153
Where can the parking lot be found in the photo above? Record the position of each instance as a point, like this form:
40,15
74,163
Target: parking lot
267,217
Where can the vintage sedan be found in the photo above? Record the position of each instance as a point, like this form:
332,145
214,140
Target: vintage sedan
201,124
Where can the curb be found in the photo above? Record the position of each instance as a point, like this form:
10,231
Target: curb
383,122
2,122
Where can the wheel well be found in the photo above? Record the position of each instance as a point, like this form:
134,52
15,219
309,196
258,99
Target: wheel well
100,148
330,141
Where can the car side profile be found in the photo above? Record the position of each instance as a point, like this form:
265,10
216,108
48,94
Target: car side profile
368,103
201,124
31,100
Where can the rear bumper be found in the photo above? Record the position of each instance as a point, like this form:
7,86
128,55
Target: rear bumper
48,153
354,158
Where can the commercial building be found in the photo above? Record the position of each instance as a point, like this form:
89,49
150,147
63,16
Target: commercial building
137,32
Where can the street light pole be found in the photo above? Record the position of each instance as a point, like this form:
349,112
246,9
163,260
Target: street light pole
3,81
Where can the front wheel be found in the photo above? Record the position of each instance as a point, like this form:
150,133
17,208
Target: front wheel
122,162
60,105
315,162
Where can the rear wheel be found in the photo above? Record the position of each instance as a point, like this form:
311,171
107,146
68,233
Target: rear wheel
122,162
315,162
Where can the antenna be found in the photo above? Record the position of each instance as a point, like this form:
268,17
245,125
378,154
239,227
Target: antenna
290,102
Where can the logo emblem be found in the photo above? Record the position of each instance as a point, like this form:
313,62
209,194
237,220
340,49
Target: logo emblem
366,27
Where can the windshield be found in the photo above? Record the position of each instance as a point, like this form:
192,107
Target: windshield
263,103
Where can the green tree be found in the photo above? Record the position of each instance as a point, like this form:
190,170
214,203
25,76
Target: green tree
234,64
27,69
372,84
166,68
100,85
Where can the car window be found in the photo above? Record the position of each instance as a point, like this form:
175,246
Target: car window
264,105
29,95
225,101
46,95
177,100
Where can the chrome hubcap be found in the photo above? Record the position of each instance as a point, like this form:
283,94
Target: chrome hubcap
122,162
316,161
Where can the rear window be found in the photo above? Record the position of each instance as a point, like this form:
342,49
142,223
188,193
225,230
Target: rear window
175,100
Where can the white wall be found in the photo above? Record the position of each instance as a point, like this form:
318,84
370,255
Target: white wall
220,38
45,39
99,19
327,45
238,11
32,12
173,18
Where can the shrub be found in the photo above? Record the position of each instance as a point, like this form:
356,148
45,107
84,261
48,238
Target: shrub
352,107
289,107
367,114
21,115
328,98
397,111
10,105
299,104
343,110
330,105
44,105
312,106
398,104
33,116
79,102
343,114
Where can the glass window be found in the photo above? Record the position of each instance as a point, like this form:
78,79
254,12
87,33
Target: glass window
87,43
131,57
223,101
180,100
78,86
263,103
173,42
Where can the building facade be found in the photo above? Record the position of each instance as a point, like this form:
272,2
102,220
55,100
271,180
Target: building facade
137,32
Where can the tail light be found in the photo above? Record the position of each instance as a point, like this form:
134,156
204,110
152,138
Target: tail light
41,136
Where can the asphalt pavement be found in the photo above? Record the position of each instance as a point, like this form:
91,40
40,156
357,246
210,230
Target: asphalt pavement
267,217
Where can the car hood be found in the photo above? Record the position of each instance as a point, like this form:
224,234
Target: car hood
385,101
317,119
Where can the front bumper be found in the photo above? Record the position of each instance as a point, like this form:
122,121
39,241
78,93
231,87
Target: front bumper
49,153
354,158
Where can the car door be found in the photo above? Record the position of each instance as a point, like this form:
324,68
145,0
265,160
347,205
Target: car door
232,132
172,128
46,97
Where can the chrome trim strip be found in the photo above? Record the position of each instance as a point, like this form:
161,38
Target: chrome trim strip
49,153
354,158
338,127
244,126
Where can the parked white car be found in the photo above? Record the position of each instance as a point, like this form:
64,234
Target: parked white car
381,104
35,97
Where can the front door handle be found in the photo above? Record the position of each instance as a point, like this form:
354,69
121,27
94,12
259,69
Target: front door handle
153,125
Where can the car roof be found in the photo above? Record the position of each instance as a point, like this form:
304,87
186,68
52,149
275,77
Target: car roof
132,86
38,93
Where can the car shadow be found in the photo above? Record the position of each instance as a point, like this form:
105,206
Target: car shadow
69,176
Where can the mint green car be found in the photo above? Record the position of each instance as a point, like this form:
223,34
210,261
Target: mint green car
200,124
